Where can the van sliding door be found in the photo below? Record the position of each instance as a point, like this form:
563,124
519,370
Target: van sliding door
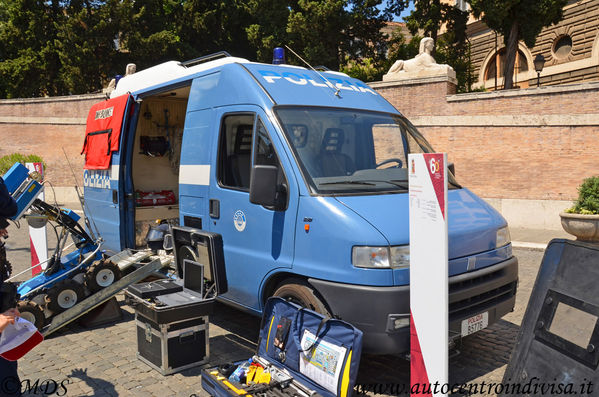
104,187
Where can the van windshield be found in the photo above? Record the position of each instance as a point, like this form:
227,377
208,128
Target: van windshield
352,151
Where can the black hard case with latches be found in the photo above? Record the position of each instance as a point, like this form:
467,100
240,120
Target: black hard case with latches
172,329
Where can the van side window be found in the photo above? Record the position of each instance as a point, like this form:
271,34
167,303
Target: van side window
235,151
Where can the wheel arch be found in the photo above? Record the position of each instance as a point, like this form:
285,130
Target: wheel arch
276,279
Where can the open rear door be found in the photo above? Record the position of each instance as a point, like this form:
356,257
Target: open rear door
106,131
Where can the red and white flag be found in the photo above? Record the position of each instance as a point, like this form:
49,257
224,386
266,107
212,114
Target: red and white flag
18,339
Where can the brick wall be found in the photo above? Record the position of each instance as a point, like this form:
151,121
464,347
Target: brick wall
528,144
46,126
535,144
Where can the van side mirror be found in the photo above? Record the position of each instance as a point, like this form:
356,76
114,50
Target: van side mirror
263,185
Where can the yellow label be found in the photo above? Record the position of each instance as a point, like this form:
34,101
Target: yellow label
345,378
269,329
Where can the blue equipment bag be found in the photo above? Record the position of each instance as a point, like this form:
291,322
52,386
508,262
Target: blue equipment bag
320,353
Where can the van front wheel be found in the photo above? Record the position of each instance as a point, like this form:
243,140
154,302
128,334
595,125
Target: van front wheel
301,293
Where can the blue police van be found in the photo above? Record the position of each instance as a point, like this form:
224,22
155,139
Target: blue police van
304,174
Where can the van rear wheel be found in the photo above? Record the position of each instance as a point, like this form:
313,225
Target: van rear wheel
300,292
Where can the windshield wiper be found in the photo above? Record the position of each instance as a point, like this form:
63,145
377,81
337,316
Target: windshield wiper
369,182
348,183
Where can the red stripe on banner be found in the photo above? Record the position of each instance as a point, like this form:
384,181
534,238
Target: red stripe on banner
19,351
418,374
34,259
435,167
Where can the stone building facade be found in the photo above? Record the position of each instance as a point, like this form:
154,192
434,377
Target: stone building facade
570,48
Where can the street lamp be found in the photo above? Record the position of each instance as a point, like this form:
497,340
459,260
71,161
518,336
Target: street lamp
539,63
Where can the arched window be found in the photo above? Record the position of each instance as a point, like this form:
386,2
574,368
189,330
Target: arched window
497,63
562,46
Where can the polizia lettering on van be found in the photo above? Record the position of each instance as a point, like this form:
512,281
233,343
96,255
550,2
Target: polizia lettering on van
96,178
304,79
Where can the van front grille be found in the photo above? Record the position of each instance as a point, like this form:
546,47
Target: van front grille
479,303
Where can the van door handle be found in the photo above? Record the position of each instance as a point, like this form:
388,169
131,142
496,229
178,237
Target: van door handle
214,210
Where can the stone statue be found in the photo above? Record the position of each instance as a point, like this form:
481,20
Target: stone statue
422,65
130,69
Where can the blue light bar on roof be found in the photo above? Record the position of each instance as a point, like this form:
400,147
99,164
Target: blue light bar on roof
278,56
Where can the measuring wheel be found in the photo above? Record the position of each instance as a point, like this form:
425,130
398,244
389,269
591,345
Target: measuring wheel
32,312
101,274
64,295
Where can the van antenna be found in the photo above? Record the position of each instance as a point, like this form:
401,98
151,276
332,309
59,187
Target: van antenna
81,199
337,90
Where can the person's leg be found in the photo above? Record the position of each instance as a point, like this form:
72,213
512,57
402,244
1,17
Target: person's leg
10,385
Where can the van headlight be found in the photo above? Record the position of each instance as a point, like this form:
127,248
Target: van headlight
503,237
381,257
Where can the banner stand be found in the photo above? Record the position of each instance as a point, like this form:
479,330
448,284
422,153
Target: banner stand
429,356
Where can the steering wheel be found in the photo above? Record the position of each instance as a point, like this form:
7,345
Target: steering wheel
391,160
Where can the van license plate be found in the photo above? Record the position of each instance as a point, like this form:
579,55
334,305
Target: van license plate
475,323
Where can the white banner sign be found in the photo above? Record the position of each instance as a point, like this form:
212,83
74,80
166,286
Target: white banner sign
38,238
428,272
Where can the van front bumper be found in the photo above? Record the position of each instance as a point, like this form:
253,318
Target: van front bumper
374,310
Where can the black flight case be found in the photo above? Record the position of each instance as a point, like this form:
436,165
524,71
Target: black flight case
300,354
172,316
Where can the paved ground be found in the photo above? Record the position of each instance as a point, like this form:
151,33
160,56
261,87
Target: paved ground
102,361
535,238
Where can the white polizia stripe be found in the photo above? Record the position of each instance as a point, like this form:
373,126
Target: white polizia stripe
114,172
194,174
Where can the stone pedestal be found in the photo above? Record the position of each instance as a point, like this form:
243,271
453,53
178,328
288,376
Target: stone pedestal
421,74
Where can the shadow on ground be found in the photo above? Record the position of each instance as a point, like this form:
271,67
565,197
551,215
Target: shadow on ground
479,355
100,386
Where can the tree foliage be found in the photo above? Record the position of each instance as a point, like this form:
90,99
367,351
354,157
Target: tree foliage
368,69
452,48
517,20
61,47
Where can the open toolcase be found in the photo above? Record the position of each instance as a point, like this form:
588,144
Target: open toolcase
300,353
172,316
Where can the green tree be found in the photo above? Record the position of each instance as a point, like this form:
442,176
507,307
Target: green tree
517,20
368,69
452,47
87,44
59,47
323,32
211,26
28,60
268,26
152,33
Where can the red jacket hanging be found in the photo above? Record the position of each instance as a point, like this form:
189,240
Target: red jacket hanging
103,132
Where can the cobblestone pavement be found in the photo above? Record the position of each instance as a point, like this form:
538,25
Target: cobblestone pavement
102,361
